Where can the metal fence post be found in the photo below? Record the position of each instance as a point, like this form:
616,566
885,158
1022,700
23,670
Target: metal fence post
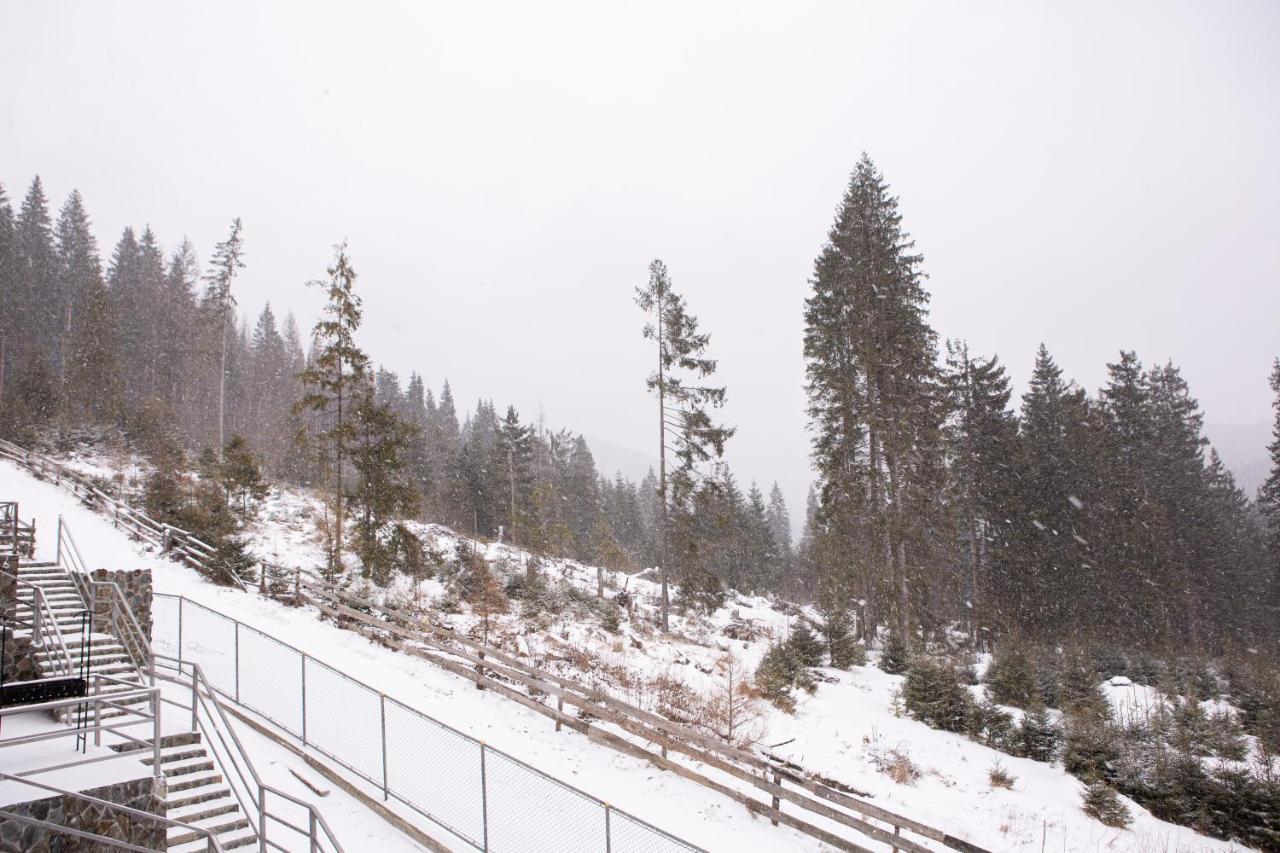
304,700
262,819
58,556
314,846
608,831
484,799
386,789
181,599
237,629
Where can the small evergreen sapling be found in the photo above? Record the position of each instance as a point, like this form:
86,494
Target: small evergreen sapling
808,649
894,657
934,695
1102,804
1038,736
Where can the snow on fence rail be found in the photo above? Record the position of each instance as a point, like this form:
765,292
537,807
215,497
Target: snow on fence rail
501,672
184,545
483,796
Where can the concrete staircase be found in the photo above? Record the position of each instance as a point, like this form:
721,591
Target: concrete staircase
197,794
106,655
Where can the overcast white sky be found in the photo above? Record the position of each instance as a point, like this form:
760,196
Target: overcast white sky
1093,175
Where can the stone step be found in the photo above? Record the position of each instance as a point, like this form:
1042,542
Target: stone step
186,766
195,780
218,825
179,739
173,754
229,841
225,804
199,794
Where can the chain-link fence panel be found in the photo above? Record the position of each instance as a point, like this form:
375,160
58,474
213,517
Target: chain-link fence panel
271,679
209,639
532,812
628,834
435,770
344,719
164,624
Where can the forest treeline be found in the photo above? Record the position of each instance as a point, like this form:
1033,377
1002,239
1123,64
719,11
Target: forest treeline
149,345
938,502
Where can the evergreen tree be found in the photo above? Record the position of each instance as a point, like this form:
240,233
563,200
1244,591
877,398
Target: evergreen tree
779,520
985,473
9,293
94,376
330,381
79,268
1051,533
683,405
873,407
38,299
224,265
382,490
1269,494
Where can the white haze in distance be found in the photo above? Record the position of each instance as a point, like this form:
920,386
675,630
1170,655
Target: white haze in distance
1093,175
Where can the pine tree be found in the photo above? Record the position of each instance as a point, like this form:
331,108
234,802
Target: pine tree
1269,495
94,377
224,265
1051,537
985,472
683,405
382,489
779,520
873,408
9,294
79,268
38,300
331,380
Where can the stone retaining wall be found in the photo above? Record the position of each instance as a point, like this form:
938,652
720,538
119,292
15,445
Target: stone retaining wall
136,586
143,794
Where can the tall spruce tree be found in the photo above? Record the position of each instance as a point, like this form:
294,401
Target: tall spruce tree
1057,489
984,452
874,410
79,268
8,286
224,265
684,403
330,382
38,296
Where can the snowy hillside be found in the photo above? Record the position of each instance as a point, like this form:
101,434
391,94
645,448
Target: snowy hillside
847,731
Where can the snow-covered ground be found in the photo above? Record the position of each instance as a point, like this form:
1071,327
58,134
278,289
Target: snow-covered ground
843,731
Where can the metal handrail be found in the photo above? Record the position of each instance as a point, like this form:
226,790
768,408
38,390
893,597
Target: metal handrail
213,845
205,696
97,700
41,617
130,632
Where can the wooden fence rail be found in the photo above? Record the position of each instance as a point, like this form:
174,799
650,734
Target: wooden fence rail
498,670
180,544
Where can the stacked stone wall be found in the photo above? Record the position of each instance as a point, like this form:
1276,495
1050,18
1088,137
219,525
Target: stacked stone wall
144,794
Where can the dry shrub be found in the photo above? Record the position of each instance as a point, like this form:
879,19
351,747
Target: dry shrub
1001,778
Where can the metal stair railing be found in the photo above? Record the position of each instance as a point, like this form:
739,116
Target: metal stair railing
46,633
123,623
208,717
